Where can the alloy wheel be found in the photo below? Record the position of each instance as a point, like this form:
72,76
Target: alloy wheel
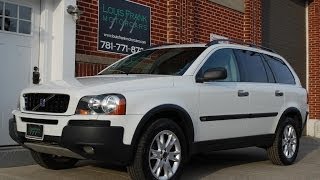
164,155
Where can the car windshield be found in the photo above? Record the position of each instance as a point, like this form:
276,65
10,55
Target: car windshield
168,61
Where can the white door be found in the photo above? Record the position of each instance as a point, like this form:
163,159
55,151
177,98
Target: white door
222,104
19,52
266,99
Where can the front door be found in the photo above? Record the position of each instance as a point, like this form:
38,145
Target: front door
222,103
19,52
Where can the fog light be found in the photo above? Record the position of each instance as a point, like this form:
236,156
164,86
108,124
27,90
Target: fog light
88,150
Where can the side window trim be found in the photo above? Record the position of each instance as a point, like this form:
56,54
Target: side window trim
242,78
264,67
265,63
239,67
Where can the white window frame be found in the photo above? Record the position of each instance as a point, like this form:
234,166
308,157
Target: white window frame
3,16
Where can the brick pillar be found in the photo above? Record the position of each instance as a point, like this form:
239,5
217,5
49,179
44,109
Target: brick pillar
314,58
190,21
252,22
174,21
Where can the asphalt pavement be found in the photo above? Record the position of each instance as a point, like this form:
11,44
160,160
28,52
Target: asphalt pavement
239,164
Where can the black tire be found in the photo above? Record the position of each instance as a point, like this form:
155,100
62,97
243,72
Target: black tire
275,152
49,161
140,169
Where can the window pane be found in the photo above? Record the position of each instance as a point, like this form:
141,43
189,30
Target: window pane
10,25
25,13
1,7
223,58
25,27
280,70
11,10
251,66
0,23
269,72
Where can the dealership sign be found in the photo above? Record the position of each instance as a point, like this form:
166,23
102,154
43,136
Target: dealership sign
124,26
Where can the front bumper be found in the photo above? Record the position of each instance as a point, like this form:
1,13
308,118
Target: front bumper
106,140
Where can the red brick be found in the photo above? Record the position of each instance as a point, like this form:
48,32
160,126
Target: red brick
174,21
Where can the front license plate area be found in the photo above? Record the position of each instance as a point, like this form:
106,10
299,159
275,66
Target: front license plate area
34,131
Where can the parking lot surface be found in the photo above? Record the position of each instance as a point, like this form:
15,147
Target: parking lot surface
246,164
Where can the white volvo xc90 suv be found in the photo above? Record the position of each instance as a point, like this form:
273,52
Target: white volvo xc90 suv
152,110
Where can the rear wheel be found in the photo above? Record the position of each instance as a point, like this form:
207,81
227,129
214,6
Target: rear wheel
285,147
49,161
160,152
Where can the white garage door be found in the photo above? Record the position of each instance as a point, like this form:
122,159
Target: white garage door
19,52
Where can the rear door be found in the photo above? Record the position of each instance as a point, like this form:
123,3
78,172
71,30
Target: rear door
266,99
285,82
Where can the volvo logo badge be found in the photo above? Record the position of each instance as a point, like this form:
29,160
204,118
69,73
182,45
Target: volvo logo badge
42,102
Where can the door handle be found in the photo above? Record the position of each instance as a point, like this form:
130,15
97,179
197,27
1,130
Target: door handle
242,93
278,93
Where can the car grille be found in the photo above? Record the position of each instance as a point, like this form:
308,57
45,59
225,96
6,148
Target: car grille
51,103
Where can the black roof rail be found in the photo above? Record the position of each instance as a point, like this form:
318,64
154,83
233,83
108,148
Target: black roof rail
218,41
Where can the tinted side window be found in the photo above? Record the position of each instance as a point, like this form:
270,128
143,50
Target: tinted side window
251,66
269,72
280,70
224,58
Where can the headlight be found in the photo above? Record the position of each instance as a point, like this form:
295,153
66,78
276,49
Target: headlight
110,104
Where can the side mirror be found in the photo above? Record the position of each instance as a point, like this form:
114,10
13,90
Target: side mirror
213,74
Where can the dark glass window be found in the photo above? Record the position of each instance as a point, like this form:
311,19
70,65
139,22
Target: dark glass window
1,8
25,13
280,70
10,24
168,61
25,27
1,13
11,10
251,66
269,72
223,58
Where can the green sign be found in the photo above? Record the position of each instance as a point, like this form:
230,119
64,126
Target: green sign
124,26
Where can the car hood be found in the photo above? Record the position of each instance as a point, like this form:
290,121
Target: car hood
104,84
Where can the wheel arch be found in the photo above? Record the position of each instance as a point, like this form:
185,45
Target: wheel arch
294,113
178,114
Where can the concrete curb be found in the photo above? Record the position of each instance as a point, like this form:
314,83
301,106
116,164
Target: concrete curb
313,128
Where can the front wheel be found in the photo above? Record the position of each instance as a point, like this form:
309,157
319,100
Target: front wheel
285,147
160,152
49,161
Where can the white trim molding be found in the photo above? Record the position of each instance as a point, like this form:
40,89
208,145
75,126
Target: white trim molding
57,41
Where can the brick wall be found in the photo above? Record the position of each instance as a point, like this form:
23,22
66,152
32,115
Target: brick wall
172,21
252,22
314,59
